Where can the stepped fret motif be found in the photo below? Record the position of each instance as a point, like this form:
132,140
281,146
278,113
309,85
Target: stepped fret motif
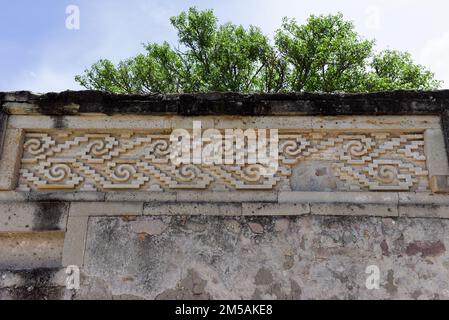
71,160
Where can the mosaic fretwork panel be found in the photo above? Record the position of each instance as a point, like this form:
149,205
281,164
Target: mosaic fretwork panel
80,161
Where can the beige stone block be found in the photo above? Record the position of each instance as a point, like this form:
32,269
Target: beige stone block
23,108
426,205
10,160
13,196
120,122
230,209
75,241
106,208
117,122
231,122
66,196
17,108
341,196
30,122
275,209
30,250
264,122
354,209
192,208
437,162
33,216
345,203
363,123
142,196
228,196
187,122
435,150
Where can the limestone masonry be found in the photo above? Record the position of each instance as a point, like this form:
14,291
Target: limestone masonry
86,180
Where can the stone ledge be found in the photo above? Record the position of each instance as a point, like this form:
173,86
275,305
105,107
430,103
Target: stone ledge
89,209
89,101
140,196
338,197
423,205
354,209
227,203
356,123
13,196
66,196
192,208
30,250
224,196
275,209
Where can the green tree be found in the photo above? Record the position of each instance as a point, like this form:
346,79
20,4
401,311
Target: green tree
391,69
326,54
323,55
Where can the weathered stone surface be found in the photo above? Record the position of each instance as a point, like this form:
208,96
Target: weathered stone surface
439,184
9,163
36,284
66,196
29,217
271,209
226,196
140,196
314,176
75,241
346,203
150,227
423,205
303,233
192,208
354,209
318,258
436,156
31,250
106,209
397,102
13,196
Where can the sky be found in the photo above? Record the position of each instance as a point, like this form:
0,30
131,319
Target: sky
39,53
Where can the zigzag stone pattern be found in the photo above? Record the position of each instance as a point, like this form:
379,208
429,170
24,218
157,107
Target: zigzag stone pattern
96,161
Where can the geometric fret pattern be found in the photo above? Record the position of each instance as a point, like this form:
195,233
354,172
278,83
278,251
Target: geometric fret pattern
97,161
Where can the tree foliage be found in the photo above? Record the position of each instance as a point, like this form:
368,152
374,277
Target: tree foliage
323,55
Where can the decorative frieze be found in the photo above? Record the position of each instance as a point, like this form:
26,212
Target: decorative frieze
138,160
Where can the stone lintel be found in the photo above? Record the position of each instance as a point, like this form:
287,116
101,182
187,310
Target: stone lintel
88,101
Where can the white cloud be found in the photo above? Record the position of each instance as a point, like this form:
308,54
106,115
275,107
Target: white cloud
372,19
434,55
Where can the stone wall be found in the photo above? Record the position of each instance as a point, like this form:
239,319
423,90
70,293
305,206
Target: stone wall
86,180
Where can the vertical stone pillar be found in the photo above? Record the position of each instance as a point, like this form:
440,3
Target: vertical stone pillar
437,154
10,160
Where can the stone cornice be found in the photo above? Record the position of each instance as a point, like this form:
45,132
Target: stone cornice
80,102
